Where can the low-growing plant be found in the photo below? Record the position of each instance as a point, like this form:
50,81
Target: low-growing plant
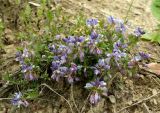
88,51
155,35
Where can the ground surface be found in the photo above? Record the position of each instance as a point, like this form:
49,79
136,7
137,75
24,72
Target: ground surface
140,87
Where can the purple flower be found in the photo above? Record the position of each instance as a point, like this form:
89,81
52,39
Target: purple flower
111,20
117,52
81,55
70,80
93,35
19,57
137,58
96,84
77,79
140,56
132,63
98,51
96,72
63,70
80,39
85,72
103,63
56,75
58,36
30,77
26,68
52,48
17,101
56,58
121,28
117,44
25,53
59,72
73,68
94,98
138,32
63,59
65,40
144,55
92,22
55,65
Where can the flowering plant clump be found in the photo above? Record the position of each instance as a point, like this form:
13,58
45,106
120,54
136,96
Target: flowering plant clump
88,51
92,56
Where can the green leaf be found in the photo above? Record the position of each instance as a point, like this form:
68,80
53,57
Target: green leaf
27,11
18,2
153,37
155,8
32,94
49,15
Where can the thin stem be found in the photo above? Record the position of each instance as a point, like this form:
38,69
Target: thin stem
85,102
5,98
58,95
72,95
128,11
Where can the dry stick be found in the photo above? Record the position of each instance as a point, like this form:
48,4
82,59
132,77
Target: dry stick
72,95
146,109
155,80
5,98
58,95
130,6
140,101
110,81
85,102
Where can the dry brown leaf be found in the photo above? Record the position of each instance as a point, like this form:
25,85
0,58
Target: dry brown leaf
154,67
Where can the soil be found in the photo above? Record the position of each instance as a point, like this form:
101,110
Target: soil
134,90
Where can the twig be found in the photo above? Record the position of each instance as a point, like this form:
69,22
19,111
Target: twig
140,101
5,98
155,80
145,108
85,102
72,95
129,9
148,71
58,95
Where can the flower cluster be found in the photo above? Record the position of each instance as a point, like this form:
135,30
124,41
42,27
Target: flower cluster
92,22
97,86
138,32
18,101
139,57
119,24
26,69
91,56
118,50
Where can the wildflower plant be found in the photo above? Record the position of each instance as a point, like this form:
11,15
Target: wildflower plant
89,51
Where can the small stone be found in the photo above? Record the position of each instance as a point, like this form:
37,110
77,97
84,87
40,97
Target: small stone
153,101
112,99
154,91
129,103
